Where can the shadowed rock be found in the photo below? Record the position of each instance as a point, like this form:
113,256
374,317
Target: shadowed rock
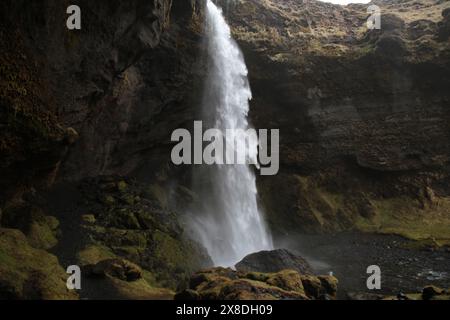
273,261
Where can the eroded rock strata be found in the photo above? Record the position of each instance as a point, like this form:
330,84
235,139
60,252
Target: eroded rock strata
363,114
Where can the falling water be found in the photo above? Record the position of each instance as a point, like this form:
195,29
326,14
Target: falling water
229,223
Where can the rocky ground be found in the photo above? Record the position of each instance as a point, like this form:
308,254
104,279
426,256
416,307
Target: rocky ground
406,266
227,284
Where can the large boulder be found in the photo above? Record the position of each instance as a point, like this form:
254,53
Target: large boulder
117,268
120,279
228,284
273,261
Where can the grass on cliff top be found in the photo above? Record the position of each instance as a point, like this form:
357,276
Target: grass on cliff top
417,10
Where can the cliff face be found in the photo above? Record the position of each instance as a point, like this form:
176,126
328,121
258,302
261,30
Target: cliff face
119,83
97,101
363,114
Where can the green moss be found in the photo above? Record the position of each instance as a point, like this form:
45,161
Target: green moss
92,254
41,235
412,216
140,290
149,277
122,186
40,229
88,219
7,260
257,276
141,232
131,253
287,280
123,218
109,200
408,218
168,250
24,267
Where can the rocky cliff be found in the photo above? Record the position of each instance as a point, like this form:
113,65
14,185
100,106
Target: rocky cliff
363,114
86,118
80,104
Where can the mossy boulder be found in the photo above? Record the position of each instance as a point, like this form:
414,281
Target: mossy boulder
29,273
92,254
117,268
228,284
138,290
40,229
289,280
430,292
121,279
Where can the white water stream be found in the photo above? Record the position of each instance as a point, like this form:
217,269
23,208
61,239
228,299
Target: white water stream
229,224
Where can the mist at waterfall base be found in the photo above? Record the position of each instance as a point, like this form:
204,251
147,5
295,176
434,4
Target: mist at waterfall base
226,219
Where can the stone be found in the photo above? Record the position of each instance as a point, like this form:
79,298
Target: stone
431,291
122,186
329,285
187,295
312,285
71,135
88,218
274,261
225,283
116,268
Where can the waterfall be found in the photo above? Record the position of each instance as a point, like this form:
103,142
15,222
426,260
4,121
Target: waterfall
228,222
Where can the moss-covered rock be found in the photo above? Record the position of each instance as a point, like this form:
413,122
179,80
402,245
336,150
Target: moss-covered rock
289,280
40,229
29,273
140,230
116,268
120,279
93,254
430,292
225,283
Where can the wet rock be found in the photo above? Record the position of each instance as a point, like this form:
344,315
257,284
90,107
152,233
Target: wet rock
430,292
225,283
391,46
116,268
187,295
88,218
71,136
274,261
